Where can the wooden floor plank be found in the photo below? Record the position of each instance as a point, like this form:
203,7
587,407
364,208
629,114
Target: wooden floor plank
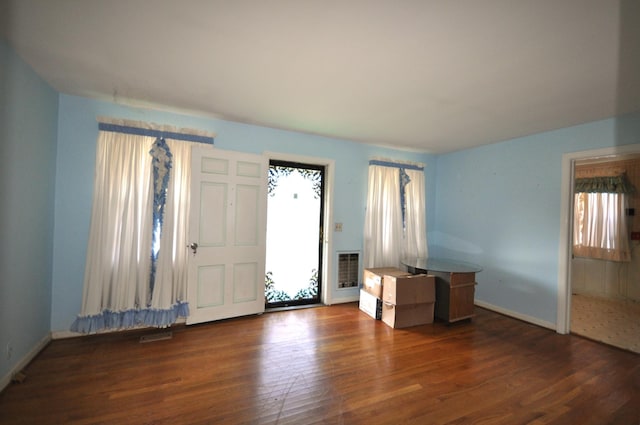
331,365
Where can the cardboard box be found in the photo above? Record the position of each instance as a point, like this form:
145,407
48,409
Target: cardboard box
372,279
406,290
404,316
370,304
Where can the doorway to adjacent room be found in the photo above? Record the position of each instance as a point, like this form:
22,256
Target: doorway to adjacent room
579,279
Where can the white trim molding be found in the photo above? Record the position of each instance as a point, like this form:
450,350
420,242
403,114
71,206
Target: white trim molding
347,299
516,315
6,380
65,334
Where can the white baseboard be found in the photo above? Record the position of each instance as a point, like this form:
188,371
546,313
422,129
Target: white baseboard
64,334
516,315
343,300
6,380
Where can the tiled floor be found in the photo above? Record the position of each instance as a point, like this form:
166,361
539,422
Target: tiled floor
614,322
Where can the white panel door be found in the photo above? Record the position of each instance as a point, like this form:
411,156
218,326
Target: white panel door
228,224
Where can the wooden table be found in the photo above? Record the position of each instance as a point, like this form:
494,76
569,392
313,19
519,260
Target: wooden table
455,285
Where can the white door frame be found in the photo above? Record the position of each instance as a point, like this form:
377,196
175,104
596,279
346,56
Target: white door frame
566,226
327,228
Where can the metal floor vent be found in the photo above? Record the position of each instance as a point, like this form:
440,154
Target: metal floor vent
160,336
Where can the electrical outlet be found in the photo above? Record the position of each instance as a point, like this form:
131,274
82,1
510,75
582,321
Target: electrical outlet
338,227
635,236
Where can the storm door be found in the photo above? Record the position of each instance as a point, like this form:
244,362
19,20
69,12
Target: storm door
294,234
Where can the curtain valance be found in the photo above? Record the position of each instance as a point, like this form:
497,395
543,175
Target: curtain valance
401,165
609,184
139,128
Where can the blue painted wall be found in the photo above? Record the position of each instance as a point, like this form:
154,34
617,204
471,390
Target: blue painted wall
28,122
77,134
499,206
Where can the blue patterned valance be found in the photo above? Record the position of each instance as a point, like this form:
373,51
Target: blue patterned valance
127,129
396,165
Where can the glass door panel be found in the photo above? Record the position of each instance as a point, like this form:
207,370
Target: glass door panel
294,234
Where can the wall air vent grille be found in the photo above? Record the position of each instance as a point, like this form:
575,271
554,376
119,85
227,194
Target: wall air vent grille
348,269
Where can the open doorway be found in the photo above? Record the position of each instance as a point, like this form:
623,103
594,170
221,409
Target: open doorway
599,299
605,265
295,209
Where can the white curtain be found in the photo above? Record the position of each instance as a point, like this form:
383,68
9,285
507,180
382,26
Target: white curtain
383,219
117,286
600,226
415,244
386,238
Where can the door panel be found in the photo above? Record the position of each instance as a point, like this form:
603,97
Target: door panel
246,220
210,286
213,214
245,282
228,222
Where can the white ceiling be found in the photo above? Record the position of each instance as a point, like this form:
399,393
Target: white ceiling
425,75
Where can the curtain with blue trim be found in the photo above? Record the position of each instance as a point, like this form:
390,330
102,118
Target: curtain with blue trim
136,268
395,219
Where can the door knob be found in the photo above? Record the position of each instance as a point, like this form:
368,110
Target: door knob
194,247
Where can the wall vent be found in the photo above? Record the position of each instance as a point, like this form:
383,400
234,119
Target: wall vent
348,269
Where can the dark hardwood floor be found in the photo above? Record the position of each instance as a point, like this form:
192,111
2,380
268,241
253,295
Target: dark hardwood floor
331,365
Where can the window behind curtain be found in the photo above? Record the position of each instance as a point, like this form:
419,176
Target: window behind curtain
395,223
600,227
141,189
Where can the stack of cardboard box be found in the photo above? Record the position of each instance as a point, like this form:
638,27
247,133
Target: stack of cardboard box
371,291
408,300
398,298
